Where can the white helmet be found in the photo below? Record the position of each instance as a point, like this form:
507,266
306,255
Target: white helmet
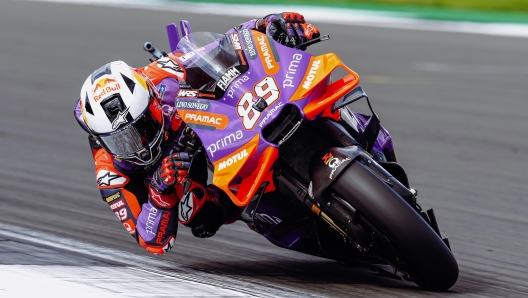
121,107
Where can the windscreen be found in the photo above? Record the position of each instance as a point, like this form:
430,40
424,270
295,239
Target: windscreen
210,60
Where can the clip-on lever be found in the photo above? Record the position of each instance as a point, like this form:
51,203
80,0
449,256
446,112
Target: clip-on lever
149,47
312,41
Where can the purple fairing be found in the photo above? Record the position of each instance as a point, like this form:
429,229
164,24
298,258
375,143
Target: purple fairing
267,217
148,221
277,81
286,77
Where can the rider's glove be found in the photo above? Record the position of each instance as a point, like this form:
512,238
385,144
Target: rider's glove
168,179
206,230
288,28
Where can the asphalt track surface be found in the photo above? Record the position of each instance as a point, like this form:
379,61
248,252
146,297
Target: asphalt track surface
454,103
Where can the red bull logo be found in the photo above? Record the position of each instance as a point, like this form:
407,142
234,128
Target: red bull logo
102,83
104,87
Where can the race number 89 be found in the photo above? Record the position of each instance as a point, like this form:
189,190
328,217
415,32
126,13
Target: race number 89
268,90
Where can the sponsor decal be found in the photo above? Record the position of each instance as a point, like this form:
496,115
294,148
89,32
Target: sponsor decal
267,89
105,86
130,226
236,84
149,225
156,197
168,65
311,74
266,55
193,105
120,119
186,57
237,157
248,44
217,121
333,162
117,205
162,90
106,178
225,141
186,207
235,41
209,95
270,113
292,71
184,85
187,93
242,58
262,217
115,196
163,227
101,84
227,78
122,214
168,110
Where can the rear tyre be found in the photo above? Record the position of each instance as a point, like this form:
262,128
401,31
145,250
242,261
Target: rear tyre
424,256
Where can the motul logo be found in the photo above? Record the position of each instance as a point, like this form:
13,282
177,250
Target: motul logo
232,160
117,204
187,93
311,74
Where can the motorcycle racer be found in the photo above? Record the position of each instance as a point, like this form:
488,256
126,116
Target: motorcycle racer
143,150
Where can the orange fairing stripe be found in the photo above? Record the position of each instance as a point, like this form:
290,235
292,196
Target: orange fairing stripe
334,92
226,169
319,68
251,184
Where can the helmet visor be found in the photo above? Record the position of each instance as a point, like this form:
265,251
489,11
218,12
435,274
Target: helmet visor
136,138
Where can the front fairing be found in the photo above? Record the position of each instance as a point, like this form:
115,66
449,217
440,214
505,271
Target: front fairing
231,126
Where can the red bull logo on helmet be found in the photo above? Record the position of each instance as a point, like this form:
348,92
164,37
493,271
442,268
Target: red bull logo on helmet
105,86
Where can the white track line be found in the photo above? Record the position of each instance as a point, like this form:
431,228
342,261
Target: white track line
318,14
200,283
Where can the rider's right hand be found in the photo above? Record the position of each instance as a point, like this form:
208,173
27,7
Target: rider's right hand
288,28
172,171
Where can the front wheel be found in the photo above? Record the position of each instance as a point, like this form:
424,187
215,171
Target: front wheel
420,251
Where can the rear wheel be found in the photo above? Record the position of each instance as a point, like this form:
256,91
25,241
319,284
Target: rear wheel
415,247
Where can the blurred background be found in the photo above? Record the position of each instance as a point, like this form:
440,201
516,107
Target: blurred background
455,104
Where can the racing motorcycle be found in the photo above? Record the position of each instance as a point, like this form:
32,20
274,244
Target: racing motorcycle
312,175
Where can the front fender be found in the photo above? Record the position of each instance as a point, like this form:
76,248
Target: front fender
327,164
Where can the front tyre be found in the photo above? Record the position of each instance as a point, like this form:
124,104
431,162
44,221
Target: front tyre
422,253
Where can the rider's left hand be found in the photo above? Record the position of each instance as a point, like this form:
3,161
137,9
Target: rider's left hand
288,28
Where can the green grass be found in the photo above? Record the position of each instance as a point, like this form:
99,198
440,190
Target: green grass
481,5
507,11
